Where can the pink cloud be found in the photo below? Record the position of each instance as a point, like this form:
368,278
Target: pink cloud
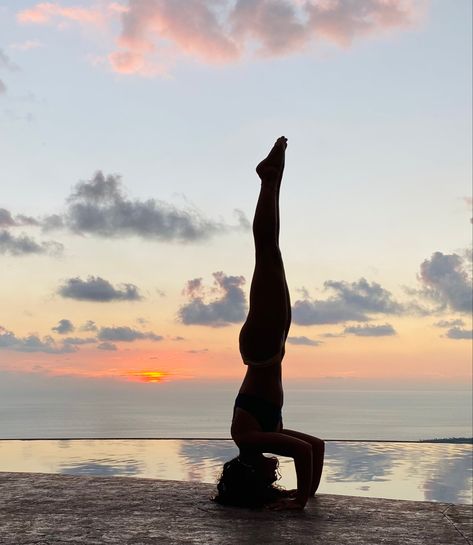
47,12
278,27
216,31
164,27
342,21
156,33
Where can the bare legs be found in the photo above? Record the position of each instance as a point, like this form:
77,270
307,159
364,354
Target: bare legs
262,337
288,298
269,317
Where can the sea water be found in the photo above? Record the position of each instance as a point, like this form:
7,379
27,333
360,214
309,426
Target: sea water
205,411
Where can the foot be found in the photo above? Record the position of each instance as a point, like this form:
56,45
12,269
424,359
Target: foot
273,165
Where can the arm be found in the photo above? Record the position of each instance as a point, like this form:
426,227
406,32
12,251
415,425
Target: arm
318,451
303,462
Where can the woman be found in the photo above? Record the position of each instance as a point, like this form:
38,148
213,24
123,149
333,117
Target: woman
257,425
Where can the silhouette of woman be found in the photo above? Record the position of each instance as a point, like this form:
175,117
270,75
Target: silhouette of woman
257,424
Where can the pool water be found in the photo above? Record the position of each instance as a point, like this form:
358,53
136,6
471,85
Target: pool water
410,471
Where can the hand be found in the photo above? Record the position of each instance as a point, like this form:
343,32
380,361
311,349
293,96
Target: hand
286,504
292,493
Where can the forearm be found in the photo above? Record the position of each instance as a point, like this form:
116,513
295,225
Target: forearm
316,476
304,471
317,466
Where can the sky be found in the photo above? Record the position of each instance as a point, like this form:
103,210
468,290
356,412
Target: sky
129,133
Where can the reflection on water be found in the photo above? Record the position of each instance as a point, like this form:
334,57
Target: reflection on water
104,468
414,471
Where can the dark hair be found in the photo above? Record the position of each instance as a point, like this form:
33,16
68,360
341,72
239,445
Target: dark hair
243,485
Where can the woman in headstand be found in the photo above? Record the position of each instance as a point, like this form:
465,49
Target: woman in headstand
257,425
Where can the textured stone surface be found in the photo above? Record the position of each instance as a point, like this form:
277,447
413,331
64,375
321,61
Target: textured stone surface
45,509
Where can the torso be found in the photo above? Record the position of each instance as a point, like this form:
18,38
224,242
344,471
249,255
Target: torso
264,382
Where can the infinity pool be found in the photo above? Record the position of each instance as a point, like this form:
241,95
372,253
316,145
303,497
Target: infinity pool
410,471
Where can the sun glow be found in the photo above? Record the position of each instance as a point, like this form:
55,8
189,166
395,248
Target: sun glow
147,376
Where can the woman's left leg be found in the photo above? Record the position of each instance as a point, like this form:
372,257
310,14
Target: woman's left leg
265,328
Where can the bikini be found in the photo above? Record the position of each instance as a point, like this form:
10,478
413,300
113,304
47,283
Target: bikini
267,414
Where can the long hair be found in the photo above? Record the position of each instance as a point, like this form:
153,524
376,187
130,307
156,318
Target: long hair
243,485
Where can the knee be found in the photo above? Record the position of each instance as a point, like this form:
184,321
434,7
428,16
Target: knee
319,446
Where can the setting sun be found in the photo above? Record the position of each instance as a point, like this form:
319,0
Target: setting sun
147,376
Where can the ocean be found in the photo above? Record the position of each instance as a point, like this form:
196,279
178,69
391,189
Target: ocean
188,410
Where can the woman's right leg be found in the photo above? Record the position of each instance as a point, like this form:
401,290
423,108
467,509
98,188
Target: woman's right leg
267,322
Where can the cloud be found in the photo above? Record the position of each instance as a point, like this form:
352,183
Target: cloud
107,346
64,326
449,323
6,63
243,221
49,12
32,343
455,329
165,28
98,289
230,308
126,334
24,245
343,21
371,330
157,33
332,311
7,220
89,326
458,333
446,282
303,341
354,301
100,207
76,341
223,32
277,26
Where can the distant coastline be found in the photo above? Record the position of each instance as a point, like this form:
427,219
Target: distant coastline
448,440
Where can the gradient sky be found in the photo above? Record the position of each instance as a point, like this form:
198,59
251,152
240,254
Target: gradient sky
129,135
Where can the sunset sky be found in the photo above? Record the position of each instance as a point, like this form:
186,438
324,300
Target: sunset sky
129,135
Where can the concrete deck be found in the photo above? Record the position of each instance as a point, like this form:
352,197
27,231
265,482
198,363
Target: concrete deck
47,509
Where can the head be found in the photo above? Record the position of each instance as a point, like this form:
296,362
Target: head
248,481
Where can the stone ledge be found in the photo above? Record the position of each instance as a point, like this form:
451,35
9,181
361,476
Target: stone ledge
52,509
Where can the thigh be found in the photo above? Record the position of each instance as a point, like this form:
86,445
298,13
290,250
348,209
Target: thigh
260,342
265,328
271,442
317,444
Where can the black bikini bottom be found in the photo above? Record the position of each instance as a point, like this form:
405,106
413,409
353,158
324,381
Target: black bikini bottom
266,413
